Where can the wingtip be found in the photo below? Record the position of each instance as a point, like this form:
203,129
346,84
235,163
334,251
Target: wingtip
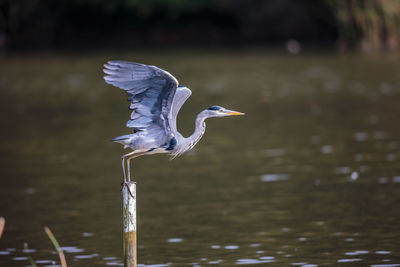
113,62
108,78
110,66
118,62
110,71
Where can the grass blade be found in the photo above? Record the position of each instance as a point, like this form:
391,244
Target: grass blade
57,246
2,224
31,261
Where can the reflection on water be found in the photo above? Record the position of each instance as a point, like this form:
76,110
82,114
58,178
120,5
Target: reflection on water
274,177
309,177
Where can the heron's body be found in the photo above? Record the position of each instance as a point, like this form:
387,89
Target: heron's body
152,143
156,98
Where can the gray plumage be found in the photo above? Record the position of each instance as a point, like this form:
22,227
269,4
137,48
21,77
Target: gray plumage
155,98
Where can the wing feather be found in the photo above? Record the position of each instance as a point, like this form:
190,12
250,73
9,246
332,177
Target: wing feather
181,95
152,93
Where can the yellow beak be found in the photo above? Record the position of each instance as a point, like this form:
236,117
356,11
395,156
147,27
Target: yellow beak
234,113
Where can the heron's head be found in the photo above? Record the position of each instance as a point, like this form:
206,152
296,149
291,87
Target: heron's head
217,111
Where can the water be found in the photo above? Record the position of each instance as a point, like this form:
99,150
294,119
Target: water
309,177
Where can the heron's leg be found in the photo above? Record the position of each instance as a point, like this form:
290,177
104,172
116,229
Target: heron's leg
125,181
123,164
128,163
128,172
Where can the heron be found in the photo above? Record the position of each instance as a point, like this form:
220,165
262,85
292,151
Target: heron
155,98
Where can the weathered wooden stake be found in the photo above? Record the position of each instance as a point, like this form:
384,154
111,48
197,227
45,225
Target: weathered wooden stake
129,219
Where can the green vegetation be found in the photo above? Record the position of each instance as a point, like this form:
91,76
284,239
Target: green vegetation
2,224
57,246
366,25
30,259
52,238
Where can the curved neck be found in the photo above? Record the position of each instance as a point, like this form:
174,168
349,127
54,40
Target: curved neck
200,128
188,143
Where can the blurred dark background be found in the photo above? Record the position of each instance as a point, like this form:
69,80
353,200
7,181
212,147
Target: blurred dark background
360,25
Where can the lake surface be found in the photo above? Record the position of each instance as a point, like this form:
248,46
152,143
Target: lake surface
309,177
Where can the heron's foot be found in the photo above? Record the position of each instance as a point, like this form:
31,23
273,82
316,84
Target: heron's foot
125,183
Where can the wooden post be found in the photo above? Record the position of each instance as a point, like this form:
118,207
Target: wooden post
129,219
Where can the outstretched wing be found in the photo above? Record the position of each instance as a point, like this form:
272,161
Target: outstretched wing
151,91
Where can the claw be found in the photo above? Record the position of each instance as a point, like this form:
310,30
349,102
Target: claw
124,183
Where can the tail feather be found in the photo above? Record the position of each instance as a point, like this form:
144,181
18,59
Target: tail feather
123,140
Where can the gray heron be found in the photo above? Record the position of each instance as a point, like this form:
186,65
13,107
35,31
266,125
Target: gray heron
155,98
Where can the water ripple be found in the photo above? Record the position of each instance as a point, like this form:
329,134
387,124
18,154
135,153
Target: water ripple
349,260
175,240
91,256
72,249
274,177
383,252
231,247
251,261
385,265
357,252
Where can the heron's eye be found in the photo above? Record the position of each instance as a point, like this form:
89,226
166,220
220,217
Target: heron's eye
214,108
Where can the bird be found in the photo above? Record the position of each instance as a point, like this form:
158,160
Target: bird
155,98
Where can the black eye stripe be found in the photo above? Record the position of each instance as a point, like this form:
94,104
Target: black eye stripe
214,108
